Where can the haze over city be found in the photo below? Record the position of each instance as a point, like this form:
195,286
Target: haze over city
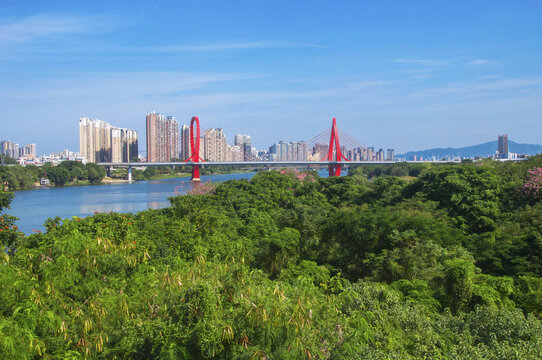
438,74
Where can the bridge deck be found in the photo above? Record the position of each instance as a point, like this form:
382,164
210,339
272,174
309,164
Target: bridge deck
263,163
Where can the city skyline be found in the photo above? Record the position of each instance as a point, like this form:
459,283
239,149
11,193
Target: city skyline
394,74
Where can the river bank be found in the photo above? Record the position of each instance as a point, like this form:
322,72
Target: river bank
34,206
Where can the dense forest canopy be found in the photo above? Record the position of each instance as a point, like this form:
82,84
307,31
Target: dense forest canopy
397,262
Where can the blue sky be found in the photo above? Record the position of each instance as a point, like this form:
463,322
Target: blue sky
407,75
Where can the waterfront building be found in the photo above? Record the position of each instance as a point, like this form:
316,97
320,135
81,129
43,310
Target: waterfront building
202,147
124,145
241,139
27,152
10,149
185,142
30,150
391,155
162,137
235,153
214,145
503,146
130,145
288,151
99,141
94,140
319,151
245,144
301,151
370,153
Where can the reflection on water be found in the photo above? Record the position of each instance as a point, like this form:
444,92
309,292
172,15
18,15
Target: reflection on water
157,204
33,207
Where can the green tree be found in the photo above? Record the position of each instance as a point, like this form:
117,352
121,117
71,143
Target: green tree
9,234
149,172
58,175
469,194
459,283
96,173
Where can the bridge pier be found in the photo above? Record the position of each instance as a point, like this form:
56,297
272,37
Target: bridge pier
195,173
129,174
334,170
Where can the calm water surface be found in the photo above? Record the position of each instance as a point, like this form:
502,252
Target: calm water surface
33,207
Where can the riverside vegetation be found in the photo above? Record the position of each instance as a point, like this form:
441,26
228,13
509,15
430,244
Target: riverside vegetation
439,262
18,177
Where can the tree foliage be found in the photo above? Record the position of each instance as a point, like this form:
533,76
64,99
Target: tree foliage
288,266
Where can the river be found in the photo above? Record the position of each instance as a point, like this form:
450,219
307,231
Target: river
34,207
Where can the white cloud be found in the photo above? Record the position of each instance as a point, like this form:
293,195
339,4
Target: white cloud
202,47
484,87
489,77
482,62
424,62
230,46
111,86
421,76
36,26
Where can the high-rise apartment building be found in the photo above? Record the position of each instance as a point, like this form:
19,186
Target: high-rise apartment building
130,145
185,142
235,153
244,142
379,156
162,138
116,145
94,140
10,149
288,151
101,142
503,146
301,151
391,155
319,151
28,151
214,144
124,145
241,139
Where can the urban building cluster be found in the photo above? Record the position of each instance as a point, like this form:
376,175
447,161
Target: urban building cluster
99,141
22,153
57,158
359,153
166,143
27,155
214,147
289,151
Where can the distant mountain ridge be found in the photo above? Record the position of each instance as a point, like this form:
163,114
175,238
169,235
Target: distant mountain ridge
483,150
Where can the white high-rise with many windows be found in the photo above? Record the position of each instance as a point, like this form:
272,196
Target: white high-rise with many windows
101,142
214,145
162,138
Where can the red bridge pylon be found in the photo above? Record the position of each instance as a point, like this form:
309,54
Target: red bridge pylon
335,169
194,148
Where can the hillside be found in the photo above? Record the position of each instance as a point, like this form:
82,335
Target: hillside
483,150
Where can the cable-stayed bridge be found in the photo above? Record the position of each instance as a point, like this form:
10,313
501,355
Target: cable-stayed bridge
333,159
